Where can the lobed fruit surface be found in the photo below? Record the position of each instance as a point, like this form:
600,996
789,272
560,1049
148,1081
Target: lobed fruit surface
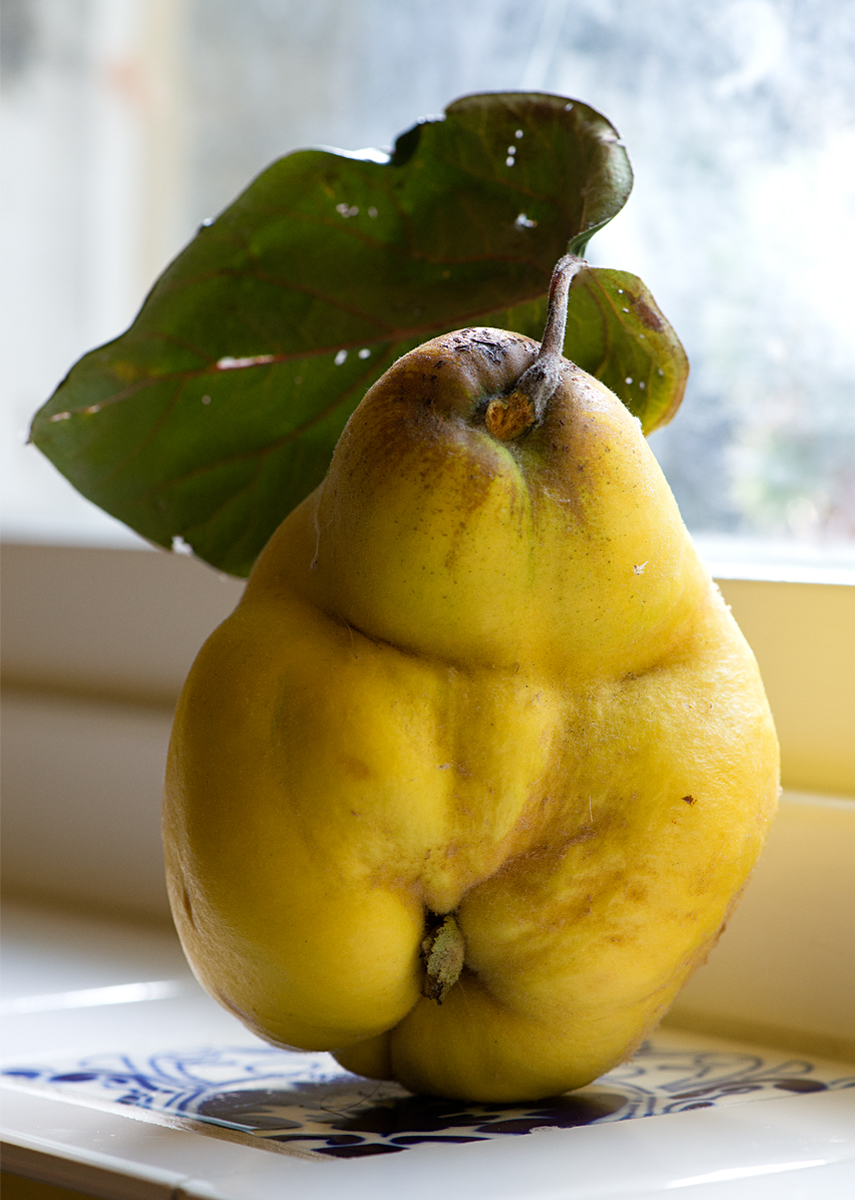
481,678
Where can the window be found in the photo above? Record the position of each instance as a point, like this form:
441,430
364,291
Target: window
129,121
126,122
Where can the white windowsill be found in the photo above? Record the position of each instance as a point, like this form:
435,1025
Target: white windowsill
118,998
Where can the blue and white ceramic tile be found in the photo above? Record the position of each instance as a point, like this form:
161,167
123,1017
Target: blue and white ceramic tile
305,1102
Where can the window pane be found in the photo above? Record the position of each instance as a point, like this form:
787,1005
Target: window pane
739,118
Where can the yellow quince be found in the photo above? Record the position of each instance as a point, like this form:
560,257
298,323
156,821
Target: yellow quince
466,787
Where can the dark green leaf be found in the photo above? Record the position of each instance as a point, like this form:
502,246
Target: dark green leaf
218,410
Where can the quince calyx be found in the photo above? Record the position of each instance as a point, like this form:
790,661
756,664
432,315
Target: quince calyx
442,951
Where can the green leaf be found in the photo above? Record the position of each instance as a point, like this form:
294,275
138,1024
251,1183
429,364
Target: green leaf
218,410
616,332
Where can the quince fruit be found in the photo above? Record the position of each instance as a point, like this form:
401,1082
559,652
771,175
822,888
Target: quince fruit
466,787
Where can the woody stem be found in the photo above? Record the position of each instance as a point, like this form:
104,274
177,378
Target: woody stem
507,419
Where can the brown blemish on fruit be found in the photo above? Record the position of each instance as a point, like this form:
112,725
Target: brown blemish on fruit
355,767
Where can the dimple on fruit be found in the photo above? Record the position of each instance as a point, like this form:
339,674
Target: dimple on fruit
466,787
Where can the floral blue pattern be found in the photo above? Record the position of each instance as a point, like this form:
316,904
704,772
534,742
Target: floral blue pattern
286,1100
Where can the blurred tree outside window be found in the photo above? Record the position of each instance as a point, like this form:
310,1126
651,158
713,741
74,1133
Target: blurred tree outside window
127,122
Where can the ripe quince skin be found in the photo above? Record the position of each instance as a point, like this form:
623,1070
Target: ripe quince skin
468,784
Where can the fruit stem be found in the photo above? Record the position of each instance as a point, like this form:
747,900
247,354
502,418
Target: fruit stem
566,270
507,419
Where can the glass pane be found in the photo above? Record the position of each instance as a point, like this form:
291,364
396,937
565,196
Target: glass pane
739,118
